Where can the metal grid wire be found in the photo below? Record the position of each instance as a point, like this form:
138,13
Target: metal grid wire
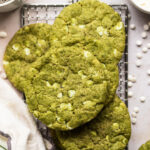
46,14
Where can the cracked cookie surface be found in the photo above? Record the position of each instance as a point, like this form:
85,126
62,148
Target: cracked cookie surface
95,27
110,130
28,44
69,89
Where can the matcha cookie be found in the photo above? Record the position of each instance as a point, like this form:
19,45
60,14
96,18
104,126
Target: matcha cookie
145,146
26,46
94,26
110,130
69,89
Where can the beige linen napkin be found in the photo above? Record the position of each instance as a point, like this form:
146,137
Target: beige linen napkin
17,122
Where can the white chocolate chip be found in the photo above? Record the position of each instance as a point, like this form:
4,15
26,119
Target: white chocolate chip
138,63
83,77
115,52
5,62
66,106
119,26
130,94
132,27
148,72
102,31
56,86
27,51
48,144
130,77
82,26
15,47
144,50
148,45
139,43
71,93
144,35
3,34
3,75
134,79
134,115
139,55
133,120
142,99
87,54
136,109
130,84
146,27
129,16
68,127
59,95
48,84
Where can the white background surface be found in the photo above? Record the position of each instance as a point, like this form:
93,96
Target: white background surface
10,22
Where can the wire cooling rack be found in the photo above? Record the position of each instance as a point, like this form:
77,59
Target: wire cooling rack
46,14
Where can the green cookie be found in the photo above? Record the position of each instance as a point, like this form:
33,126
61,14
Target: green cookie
69,89
145,146
26,46
94,26
110,130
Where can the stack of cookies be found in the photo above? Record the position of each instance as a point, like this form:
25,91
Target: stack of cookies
69,75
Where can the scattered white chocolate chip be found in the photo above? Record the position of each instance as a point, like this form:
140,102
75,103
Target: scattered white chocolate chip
139,55
133,114
144,35
144,50
48,144
130,84
148,72
27,51
3,34
142,99
132,27
136,109
133,79
3,75
133,120
130,77
129,16
148,45
146,27
59,95
130,94
139,43
138,63
71,93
